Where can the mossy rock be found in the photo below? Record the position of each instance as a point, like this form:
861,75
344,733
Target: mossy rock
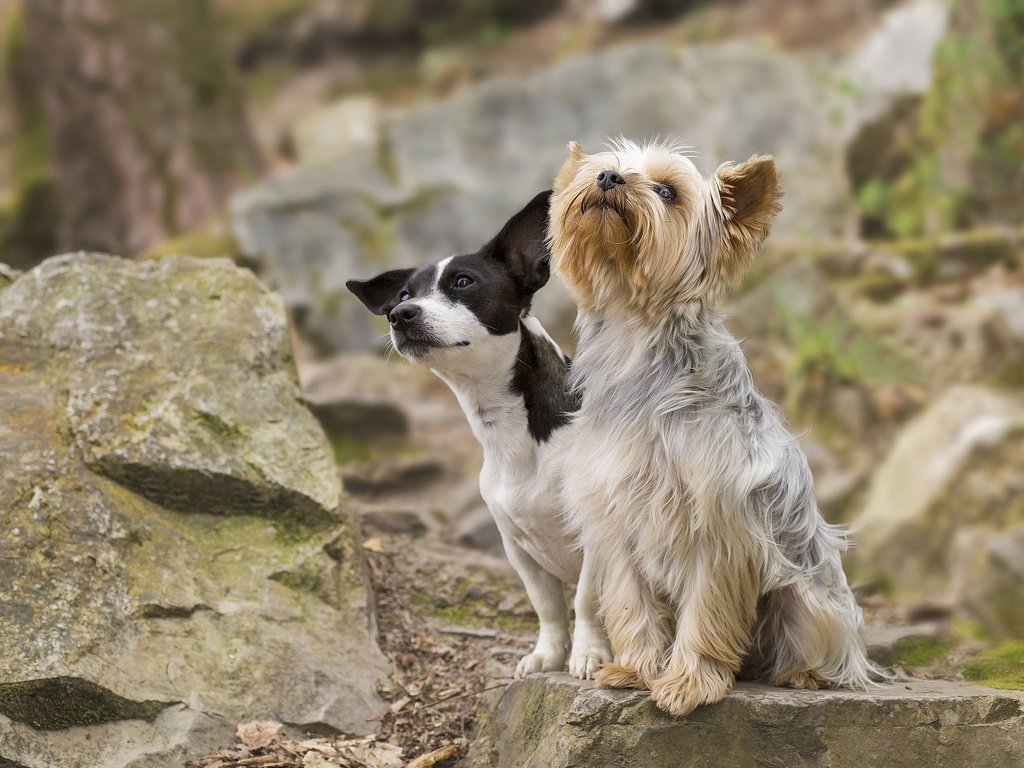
56,703
919,650
153,345
174,557
1002,667
958,465
962,158
956,256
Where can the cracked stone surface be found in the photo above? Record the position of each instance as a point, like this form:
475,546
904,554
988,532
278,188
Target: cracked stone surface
554,721
172,541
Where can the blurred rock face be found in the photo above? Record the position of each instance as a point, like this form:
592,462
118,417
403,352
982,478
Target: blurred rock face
147,133
174,558
445,176
957,469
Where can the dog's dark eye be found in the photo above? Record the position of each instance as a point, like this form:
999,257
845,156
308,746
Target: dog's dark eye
404,296
463,281
666,193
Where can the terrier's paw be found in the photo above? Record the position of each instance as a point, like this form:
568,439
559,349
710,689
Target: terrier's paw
540,661
680,694
585,662
621,676
809,680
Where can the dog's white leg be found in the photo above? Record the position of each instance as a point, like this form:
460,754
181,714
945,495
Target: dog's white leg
547,594
636,621
590,648
716,615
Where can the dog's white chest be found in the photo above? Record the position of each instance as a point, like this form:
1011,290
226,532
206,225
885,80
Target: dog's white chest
521,477
526,504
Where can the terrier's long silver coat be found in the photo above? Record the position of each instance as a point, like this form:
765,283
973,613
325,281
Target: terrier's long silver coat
688,491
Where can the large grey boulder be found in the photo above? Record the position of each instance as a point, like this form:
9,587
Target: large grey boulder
173,554
894,62
988,579
444,176
553,721
958,464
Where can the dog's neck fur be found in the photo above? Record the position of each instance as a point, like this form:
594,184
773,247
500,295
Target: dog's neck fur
625,365
514,393
684,320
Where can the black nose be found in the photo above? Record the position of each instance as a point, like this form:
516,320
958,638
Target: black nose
609,180
404,313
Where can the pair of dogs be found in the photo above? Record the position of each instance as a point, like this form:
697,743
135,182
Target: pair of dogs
650,472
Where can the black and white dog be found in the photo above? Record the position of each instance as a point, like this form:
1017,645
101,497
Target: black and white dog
467,319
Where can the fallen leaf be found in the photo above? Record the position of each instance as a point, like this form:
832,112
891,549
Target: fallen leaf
317,760
317,745
373,545
399,705
378,755
433,758
258,733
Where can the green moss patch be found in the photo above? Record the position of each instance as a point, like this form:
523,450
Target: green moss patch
473,614
218,426
1002,667
827,352
154,611
347,450
303,580
56,703
202,243
919,651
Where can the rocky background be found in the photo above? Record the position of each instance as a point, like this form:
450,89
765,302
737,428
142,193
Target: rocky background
220,504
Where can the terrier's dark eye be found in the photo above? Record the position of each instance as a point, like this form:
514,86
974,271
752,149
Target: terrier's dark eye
404,296
666,193
463,281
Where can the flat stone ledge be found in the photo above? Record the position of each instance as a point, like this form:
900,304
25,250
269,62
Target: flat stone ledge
554,721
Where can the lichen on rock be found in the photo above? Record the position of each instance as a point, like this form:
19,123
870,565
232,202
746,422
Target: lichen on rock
553,721
57,703
164,491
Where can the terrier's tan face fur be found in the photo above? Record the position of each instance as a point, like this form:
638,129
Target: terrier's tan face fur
663,238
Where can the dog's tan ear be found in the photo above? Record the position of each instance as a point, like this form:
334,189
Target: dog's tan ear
749,195
568,170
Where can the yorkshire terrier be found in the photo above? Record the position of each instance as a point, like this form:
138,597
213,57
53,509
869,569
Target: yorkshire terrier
687,489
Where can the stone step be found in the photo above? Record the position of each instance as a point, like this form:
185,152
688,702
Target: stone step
555,721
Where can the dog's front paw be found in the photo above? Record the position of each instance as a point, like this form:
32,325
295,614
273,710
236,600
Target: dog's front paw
680,694
621,676
590,650
810,681
541,660
584,663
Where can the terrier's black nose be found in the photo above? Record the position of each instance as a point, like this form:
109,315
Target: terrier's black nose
403,314
609,180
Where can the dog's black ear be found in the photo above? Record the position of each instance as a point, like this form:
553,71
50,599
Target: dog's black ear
379,292
522,247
